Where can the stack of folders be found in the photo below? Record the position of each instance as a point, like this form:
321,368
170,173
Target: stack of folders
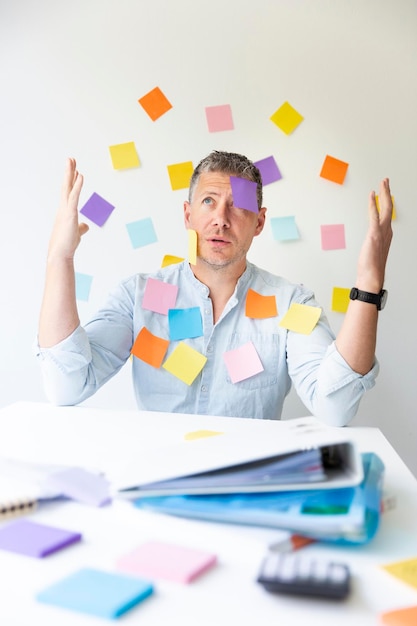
327,492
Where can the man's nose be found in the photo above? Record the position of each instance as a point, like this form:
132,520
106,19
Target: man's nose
221,216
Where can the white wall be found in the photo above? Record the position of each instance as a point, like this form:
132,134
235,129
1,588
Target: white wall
71,74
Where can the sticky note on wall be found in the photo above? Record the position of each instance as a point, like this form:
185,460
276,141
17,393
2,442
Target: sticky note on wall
155,103
180,174
334,169
124,156
286,118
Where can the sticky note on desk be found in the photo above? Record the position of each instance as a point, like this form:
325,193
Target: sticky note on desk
104,594
34,539
156,559
400,617
404,570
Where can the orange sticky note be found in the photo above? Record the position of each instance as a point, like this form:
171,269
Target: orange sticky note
394,212
259,306
340,299
301,318
150,348
286,118
334,170
155,103
185,363
170,259
180,174
400,617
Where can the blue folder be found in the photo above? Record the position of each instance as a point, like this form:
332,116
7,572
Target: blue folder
348,515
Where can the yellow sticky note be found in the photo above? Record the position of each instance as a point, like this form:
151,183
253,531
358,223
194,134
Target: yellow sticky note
124,155
394,212
301,318
185,363
340,299
286,118
200,434
180,174
192,246
404,570
170,259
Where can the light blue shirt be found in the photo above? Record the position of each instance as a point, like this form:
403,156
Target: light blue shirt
79,365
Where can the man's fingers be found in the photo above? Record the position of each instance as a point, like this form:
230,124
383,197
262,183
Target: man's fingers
83,228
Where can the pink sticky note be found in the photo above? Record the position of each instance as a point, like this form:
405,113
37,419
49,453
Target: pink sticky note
243,362
159,296
156,559
219,118
333,237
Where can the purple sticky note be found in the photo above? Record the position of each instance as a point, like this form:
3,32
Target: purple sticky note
34,539
79,484
97,209
269,170
244,193
156,559
159,296
243,362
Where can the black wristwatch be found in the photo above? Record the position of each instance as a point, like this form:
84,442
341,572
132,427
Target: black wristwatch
379,299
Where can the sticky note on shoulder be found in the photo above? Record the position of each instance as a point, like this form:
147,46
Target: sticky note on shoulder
103,594
156,559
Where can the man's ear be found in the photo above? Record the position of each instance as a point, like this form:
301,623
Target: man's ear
187,212
261,221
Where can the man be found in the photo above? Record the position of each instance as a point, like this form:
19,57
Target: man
330,375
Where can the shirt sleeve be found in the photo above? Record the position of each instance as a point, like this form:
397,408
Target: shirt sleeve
74,369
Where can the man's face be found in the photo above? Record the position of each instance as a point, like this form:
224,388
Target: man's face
224,232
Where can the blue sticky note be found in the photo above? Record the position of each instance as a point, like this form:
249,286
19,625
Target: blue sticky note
82,286
269,170
244,193
141,232
184,323
284,228
104,594
35,539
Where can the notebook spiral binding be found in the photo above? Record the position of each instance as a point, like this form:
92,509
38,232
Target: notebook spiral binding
14,508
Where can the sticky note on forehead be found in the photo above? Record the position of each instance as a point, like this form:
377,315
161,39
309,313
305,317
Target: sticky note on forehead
244,193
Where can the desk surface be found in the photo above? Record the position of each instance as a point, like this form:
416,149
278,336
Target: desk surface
228,594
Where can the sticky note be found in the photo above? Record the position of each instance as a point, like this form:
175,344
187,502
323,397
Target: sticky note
97,209
244,193
400,617
243,362
301,318
334,170
159,296
340,299
170,259
269,170
284,228
155,103
394,211
141,232
404,570
286,118
82,286
201,434
185,363
185,323
150,348
332,236
124,155
103,594
157,559
259,306
80,484
180,174
35,539
219,118
192,246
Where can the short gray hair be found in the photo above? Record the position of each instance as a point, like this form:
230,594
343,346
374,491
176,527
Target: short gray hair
228,163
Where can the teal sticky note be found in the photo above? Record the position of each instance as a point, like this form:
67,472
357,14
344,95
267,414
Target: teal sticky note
185,323
141,232
95,592
82,286
284,228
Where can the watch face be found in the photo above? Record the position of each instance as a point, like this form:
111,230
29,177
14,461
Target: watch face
384,296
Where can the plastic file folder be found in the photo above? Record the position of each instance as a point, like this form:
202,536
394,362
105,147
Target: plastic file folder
344,515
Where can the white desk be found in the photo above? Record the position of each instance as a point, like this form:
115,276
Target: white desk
228,594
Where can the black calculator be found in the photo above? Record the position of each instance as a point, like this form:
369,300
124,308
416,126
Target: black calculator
295,573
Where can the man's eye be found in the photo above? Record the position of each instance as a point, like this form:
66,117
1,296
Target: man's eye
208,201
